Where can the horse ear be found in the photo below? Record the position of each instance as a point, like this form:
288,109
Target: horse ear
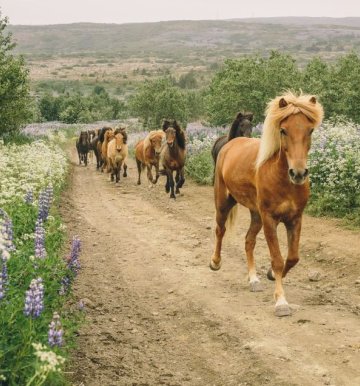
282,103
176,125
165,125
249,116
313,100
239,116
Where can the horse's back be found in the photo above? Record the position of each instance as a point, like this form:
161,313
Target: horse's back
236,166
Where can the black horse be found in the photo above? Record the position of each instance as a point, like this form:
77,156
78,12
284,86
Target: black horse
241,127
83,147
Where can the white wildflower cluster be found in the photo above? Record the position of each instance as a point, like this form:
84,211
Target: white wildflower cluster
29,167
49,361
335,160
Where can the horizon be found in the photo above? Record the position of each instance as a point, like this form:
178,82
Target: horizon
45,12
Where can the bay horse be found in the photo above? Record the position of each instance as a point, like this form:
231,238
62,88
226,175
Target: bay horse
173,157
117,153
147,154
82,147
241,127
269,176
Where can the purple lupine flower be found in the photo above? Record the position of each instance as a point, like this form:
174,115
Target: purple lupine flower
29,197
40,251
45,199
65,285
74,263
6,230
3,278
34,299
55,334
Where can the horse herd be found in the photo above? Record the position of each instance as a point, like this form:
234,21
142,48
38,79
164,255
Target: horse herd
164,148
269,176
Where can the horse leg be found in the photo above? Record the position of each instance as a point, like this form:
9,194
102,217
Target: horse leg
139,167
224,203
157,172
250,241
181,180
86,159
125,170
277,264
167,185
171,183
149,174
293,235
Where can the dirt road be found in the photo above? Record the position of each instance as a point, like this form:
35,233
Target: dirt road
157,315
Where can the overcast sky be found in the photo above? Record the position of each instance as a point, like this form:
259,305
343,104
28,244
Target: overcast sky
125,11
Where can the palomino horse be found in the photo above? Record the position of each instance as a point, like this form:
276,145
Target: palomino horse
82,147
173,157
108,136
147,153
241,127
117,153
270,178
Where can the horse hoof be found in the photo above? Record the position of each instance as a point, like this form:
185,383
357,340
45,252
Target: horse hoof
139,183
282,310
256,286
269,275
173,196
214,266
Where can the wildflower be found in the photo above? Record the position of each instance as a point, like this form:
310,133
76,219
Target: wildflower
34,299
29,197
55,334
74,263
40,251
6,230
65,285
49,361
45,199
3,278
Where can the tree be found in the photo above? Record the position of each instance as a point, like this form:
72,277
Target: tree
159,99
248,84
15,100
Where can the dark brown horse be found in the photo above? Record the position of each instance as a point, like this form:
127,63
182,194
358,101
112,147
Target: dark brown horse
270,178
173,157
241,127
82,146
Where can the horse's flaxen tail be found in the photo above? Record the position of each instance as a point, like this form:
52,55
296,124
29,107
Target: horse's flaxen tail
231,220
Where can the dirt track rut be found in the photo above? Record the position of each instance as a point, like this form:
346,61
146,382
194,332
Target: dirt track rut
157,315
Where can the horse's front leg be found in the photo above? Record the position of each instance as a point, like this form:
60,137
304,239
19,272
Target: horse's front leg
180,179
157,172
293,230
149,174
171,183
277,264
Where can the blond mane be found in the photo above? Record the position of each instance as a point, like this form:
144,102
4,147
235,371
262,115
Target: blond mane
150,136
294,104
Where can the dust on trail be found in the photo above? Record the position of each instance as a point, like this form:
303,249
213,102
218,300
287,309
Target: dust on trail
157,315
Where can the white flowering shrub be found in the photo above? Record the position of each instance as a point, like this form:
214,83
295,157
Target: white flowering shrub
335,168
29,167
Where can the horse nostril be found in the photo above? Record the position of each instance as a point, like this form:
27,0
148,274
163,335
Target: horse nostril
306,173
291,173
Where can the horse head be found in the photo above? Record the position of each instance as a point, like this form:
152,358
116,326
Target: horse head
242,126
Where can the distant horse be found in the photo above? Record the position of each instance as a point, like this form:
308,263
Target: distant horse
82,146
269,176
92,135
173,157
117,153
147,154
108,136
241,127
96,144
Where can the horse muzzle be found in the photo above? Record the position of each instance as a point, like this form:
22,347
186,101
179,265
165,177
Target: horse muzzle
298,176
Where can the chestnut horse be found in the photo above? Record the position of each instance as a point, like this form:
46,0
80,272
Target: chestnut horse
173,157
108,136
117,153
269,177
147,153
241,127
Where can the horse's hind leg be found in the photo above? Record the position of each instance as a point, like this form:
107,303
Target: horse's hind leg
139,167
224,202
250,241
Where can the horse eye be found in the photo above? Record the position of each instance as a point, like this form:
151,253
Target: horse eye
283,132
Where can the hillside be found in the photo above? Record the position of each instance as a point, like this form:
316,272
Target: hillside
187,40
